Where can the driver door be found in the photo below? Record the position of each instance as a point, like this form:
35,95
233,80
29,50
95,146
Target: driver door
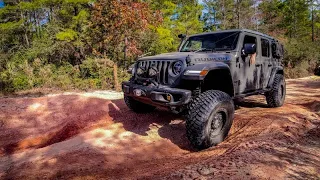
249,70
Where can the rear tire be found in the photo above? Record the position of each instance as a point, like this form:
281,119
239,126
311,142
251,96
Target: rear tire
276,96
137,106
209,119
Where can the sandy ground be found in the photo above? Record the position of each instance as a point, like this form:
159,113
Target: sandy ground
88,136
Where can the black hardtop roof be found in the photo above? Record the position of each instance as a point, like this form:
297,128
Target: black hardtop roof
236,30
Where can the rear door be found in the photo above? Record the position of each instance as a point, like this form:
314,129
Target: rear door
266,63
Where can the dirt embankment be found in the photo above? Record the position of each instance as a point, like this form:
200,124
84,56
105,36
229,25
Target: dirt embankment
82,137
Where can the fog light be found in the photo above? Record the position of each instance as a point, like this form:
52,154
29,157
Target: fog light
137,92
168,97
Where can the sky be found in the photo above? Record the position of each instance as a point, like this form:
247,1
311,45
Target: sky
1,3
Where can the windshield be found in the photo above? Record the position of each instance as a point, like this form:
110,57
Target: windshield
211,42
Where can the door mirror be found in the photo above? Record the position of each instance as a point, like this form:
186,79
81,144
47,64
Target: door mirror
249,49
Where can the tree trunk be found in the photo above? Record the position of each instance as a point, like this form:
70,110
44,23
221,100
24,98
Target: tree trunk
26,39
312,21
224,15
238,12
115,76
25,30
51,15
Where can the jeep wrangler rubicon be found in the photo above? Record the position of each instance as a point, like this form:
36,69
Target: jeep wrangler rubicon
205,76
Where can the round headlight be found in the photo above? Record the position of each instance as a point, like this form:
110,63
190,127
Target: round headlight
177,68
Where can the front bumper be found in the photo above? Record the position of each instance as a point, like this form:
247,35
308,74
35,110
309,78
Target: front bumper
164,96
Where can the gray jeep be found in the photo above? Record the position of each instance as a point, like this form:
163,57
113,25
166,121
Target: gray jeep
205,76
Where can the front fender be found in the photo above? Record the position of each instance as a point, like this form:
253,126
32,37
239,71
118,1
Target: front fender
194,72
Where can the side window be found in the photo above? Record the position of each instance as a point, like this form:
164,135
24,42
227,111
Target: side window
265,48
250,40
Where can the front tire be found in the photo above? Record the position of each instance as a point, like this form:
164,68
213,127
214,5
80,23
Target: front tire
276,96
137,106
209,119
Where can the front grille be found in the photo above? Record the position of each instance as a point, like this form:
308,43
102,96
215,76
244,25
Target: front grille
162,67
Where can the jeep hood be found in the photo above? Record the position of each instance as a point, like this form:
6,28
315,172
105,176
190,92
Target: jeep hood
194,57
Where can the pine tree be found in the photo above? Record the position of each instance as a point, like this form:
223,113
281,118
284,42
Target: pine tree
229,14
179,17
271,17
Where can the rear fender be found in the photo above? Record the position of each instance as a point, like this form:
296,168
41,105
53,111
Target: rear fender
275,70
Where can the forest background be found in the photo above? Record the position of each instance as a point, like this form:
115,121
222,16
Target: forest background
86,44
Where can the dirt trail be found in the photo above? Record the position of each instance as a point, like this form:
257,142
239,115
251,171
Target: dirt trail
82,137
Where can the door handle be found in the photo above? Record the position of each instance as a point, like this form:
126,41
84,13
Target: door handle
258,65
269,65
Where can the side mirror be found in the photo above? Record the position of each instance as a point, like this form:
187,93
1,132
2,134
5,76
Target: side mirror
182,36
249,49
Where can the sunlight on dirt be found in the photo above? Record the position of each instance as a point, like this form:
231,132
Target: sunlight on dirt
88,136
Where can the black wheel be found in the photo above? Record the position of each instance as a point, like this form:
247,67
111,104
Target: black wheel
276,96
137,106
209,119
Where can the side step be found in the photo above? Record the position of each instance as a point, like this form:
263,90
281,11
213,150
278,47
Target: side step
261,91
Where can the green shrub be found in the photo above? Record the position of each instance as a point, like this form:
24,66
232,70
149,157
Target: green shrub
91,74
6,84
20,82
301,70
301,57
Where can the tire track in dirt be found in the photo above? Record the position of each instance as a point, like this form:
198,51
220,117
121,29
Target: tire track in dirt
74,136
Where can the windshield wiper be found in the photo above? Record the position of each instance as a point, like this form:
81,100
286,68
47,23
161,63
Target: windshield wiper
204,49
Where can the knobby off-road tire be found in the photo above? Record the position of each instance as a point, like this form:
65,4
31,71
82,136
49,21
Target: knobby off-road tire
137,106
276,96
209,119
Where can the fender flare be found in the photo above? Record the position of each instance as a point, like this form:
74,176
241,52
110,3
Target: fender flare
275,70
211,70
193,72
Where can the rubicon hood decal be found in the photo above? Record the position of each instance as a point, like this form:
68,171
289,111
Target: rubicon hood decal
212,57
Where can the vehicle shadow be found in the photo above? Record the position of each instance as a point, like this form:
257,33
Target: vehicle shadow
167,125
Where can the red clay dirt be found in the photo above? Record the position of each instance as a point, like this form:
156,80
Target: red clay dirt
78,137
